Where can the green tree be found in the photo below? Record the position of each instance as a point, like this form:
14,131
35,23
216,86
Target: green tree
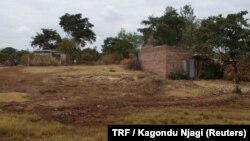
116,45
166,29
69,47
187,12
20,54
48,39
135,39
8,54
124,43
228,38
80,29
91,51
89,55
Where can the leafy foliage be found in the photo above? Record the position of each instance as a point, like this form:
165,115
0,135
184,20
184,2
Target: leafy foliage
89,56
226,38
206,74
69,47
111,58
20,54
115,45
79,28
176,74
187,12
133,38
48,39
237,89
91,51
166,29
8,56
124,44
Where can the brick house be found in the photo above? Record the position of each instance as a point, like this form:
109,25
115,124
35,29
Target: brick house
161,59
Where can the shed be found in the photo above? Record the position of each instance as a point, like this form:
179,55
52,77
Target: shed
46,58
61,55
161,59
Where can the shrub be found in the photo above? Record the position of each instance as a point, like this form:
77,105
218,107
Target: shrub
206,74
112,58
125,62
87,58
237,89
134,64
176,74
24,59
7,63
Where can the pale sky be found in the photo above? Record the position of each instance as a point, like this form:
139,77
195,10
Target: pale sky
21,19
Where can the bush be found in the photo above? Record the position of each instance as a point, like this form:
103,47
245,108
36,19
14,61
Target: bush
134,64
24,59
206,74
237,89
125,62
86,58
176,74
112,58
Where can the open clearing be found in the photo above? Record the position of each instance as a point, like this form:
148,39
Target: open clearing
71,103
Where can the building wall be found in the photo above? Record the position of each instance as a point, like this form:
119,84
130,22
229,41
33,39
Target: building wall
161,59
153,59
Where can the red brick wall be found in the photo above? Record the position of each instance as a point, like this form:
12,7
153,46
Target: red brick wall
160,60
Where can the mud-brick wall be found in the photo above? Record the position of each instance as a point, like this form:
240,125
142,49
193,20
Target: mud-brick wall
153,59
160,60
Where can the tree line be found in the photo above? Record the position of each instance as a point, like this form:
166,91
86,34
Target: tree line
225,38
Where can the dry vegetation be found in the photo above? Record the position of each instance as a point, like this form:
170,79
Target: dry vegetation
69,103
13,97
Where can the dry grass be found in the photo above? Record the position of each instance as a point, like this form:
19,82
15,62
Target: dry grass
222,86
74,70
15,125
47,69
189,115
87,134
184,93
2,67
31,127
13,97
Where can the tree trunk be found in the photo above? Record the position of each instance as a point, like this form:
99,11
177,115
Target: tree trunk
236,78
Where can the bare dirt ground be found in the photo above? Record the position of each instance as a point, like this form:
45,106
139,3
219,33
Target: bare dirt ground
94,96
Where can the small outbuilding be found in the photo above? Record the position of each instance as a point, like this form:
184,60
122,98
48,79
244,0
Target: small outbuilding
162,59
60,55
46,58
